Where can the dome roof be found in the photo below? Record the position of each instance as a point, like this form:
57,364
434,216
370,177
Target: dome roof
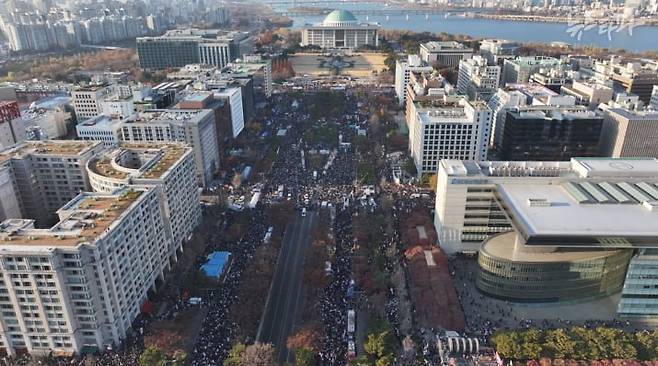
340,16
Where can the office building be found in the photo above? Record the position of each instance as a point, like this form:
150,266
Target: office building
466,210
574,240
448,130
100,128
426,87
546,133
196,128
636,77
48,174
553,79
10,207
629,133
340,29
518,70
87,100
447,54
476,79
169,166
653,103
496,51
180,47
588,93
403,68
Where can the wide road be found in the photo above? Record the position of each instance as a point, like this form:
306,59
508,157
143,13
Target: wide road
285,295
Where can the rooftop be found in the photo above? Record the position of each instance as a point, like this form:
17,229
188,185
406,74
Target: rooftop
154,160
503,246
82,220
545,211
339,16
48,147
577,168
170,116
434,46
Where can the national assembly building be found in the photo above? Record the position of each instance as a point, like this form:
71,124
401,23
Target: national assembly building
340,29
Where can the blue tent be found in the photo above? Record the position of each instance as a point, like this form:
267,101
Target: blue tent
214,267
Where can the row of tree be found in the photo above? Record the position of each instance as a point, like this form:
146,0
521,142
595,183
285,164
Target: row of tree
380,346
153,356
577,343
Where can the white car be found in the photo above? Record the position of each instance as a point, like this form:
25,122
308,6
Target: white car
304,212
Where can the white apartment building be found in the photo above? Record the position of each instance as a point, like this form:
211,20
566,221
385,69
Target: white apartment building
629,133
477,79
402,71
169,166
100,128
449,131
196,128
466,212
445,53
87,101
80,283
47,174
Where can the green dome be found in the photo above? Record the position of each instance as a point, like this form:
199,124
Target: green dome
337,16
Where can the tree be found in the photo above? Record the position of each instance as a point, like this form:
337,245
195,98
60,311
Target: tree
235,355
433,181
151,357
558,344
259,354
304,357
386,360
179,358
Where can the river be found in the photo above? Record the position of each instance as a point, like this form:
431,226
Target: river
638,38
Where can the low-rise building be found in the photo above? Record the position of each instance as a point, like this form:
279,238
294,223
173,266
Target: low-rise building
341,30
448,54
101,128
518,70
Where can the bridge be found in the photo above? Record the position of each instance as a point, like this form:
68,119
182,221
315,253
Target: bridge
307,2
374,12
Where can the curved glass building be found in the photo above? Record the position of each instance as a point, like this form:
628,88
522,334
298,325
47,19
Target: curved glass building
512,272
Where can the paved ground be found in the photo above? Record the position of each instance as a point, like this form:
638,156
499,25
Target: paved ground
286,291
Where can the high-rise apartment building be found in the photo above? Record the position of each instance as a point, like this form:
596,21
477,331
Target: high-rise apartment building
477,79
80,283
447,131
193,127
47,174
169,166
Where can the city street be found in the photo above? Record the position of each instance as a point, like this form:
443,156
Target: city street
286,289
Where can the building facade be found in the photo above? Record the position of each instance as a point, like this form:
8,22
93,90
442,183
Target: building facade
341,30
449,131
477,79
445,53
629,133
193,127
403,70
549,133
